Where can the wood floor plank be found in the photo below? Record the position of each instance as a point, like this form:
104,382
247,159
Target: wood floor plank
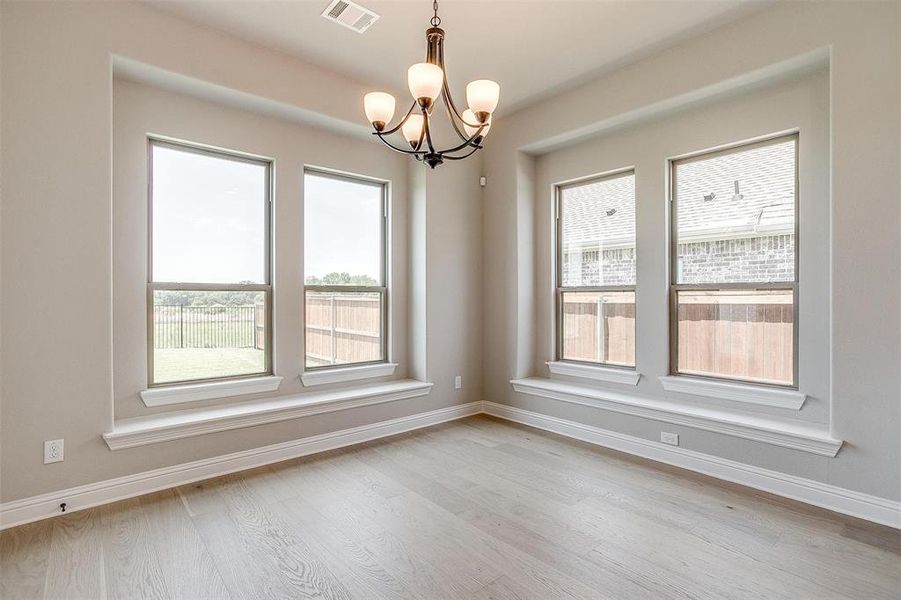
392,552
744,523
258,556
187,566
24,554
515,563
75,566
675,559
131,567
482,547
553,552
435,541
505,588
478,509
355,565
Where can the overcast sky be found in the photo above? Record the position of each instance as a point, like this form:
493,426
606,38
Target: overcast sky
209,221
209,218
342,227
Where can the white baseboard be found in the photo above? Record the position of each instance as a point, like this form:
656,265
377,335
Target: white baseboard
39,507
855,504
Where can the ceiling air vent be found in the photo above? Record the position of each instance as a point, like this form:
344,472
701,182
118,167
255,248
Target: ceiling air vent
350,14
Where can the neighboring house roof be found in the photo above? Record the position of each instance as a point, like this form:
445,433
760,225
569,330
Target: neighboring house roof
586,221
766,204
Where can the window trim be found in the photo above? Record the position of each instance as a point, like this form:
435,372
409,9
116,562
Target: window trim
675,287
381,289
593,372
560,289
266,288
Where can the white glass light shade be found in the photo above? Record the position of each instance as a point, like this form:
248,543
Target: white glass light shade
412,129
470,117
379,107
425,80
482,95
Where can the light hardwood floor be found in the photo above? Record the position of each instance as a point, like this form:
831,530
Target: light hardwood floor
473,509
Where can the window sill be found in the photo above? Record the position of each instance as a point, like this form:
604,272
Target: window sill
735,392
351,373
140,431
595,373
177,394
759,429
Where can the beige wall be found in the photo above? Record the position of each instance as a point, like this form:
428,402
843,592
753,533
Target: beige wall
454,252
71,339
860,43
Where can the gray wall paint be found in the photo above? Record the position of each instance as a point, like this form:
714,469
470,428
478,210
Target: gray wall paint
454,251
65,332
863,352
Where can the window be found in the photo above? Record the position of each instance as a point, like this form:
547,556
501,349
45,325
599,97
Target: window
596,270
734,289
345,238
209,293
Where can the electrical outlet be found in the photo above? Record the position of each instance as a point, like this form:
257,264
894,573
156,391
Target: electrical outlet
53,451
458,382
669,438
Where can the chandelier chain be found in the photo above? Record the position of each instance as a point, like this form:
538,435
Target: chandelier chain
435,20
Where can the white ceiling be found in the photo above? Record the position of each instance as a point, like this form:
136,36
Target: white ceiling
531,47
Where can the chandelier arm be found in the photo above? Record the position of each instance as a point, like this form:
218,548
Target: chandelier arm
421,136
469,142
427,129
448,98
450,102
451,108
402,121
462,156
415,153
450,114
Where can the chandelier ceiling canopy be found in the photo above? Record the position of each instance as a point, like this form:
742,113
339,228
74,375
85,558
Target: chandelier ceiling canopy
428,83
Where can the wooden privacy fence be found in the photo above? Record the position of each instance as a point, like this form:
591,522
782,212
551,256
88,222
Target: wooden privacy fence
343,327
179,326
611,340
748,337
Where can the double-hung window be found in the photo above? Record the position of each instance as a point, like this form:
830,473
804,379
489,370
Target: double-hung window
734,288
345,254
208,291
596,270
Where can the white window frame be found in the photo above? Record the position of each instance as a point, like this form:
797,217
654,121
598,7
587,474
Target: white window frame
561,289
363,369
152,286
676,287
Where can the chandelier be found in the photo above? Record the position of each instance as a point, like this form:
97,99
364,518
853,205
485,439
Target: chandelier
427,82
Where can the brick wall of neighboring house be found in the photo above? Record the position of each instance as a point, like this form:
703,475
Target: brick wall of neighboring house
619,268
766,258
769,258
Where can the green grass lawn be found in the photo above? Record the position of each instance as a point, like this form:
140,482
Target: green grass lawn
180,364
